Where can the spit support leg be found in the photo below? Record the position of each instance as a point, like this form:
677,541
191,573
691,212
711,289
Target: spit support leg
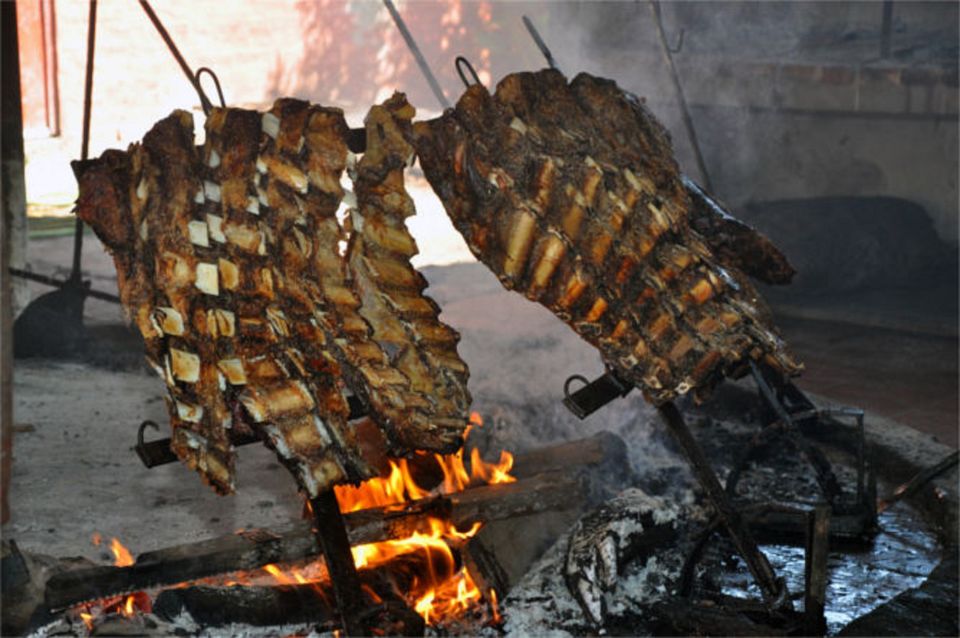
358,616
774,590
332,537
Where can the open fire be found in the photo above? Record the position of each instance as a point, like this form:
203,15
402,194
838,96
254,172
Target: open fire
436,583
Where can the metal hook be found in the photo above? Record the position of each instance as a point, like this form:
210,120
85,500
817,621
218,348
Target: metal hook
203,96
143,426
573,377
141,447
460,62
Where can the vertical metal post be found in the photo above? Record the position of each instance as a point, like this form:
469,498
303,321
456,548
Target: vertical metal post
13,206
815,574
85,138
886,27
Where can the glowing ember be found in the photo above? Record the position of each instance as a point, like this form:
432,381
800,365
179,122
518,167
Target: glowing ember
494,609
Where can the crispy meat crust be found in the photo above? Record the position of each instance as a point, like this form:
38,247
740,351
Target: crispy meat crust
405,322
570,193
229,263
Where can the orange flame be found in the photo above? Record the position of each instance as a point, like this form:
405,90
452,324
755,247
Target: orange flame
441,590
446,589
496,618
121,555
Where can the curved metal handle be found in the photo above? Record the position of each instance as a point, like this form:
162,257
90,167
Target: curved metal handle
204,100
463,62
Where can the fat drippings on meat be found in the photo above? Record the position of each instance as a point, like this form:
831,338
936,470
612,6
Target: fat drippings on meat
570,193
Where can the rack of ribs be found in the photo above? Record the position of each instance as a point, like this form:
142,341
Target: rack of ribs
229,263
570,194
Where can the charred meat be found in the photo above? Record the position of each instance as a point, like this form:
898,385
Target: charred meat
229,263
405,322
570,193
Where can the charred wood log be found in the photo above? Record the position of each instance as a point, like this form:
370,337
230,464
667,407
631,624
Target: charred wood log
679,617
486,570
253,549
263,605
630,527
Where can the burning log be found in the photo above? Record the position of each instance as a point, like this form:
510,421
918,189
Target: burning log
548,482
273,605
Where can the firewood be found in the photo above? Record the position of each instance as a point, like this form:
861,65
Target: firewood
259,606
255,548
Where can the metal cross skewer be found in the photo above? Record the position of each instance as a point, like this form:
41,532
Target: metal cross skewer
85,138
415,50
681,96
527,22
192,77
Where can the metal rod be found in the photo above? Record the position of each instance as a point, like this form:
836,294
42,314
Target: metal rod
59,283
415,50
544,49
815,572
158,452
331,532
774,591
681,97
826,479
204,100
85,136
918,481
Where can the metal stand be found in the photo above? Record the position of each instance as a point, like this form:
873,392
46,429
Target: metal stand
332,537
358,616
774,591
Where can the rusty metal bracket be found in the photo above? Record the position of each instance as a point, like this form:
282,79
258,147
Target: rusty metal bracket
594,394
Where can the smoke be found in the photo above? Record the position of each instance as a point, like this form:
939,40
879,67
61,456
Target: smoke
788,100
